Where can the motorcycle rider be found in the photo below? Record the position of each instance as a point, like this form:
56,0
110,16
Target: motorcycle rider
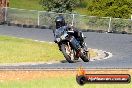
60,22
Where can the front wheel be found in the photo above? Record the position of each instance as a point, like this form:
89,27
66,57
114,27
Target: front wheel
68,53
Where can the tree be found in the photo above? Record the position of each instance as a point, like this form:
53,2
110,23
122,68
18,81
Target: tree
114,8
59,5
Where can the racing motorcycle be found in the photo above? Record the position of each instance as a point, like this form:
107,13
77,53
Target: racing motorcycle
69,46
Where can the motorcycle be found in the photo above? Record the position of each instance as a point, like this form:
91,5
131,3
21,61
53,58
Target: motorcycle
69,46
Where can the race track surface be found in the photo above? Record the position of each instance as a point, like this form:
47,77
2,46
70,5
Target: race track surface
120,45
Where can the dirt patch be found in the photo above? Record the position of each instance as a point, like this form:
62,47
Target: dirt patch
29,75
92,53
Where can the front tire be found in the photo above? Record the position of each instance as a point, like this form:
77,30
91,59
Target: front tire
68,58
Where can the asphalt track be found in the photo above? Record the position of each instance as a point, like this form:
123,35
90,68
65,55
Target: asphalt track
120,45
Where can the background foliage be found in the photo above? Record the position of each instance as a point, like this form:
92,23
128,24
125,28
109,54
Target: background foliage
112,8
59,5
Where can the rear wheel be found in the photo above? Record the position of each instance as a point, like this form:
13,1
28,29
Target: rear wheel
68,53
84,56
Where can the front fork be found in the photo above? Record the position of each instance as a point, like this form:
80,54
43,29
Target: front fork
68,44
69,47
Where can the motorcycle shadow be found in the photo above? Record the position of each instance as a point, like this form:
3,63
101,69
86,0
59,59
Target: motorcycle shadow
65,61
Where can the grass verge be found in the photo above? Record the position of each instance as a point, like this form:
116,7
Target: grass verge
15,50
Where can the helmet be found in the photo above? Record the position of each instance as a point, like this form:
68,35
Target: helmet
60,21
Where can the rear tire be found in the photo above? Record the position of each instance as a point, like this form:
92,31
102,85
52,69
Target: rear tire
84,57
68,58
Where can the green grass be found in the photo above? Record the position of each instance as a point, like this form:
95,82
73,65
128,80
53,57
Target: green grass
81,11
65,82
26,4
15,50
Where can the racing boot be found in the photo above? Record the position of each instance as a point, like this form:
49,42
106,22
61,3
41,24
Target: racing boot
82,43
84,46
